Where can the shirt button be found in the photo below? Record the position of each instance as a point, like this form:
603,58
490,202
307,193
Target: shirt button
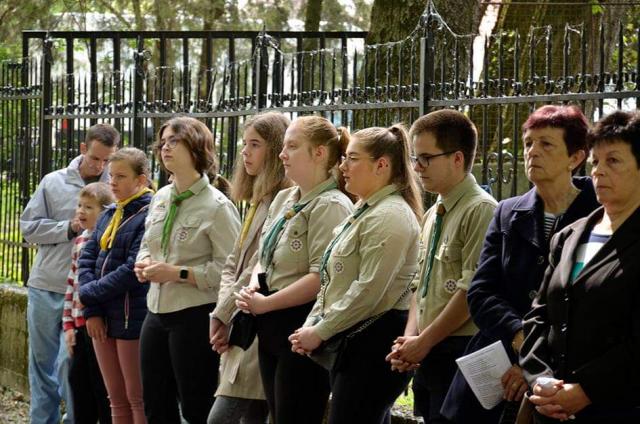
532,294
540,260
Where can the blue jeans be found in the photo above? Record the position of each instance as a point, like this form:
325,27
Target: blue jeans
48,358
234,410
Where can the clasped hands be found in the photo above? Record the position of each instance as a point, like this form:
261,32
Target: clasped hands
158,272
407,352
559,400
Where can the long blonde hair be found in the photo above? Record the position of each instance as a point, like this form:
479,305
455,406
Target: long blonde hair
271,126
393,142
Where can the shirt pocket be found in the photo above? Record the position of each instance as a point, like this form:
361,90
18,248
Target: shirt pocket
344,259
449,255
186,231
295,246
155,226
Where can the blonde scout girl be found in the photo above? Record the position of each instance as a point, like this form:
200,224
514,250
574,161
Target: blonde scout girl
190,231
114,301
258,177
297,231
366,272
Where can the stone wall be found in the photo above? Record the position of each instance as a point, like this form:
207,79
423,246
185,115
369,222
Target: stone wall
13,338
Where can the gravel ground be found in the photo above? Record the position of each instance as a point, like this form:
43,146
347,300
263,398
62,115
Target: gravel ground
14,407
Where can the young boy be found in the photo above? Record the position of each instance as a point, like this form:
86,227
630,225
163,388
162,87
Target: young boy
88,391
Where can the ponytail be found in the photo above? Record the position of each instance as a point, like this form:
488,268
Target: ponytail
393,142
341,142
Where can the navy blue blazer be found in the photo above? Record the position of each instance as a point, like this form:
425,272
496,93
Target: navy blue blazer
108,285
511,267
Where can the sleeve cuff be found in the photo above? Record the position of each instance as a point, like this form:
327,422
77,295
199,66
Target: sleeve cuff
202,282
323,331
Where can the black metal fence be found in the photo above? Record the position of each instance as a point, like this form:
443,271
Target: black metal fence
69,81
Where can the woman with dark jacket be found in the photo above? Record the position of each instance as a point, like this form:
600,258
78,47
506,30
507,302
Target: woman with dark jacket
583,333
514,255
114,301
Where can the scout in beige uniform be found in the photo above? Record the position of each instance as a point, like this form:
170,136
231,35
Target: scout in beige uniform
367,270
297,230
258,177
190,231
439,325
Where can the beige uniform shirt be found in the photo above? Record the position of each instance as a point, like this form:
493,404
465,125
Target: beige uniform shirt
239,371
468,211
305,236
371,266
204,231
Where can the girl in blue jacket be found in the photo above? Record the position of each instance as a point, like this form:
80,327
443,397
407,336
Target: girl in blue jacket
114,301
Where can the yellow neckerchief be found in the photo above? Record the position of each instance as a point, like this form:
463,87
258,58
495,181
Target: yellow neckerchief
110,233
247,223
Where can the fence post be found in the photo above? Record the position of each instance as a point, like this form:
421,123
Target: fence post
45,124
138,128
25,140
262,71
426,64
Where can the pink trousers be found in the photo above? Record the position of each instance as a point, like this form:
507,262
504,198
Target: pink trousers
119,362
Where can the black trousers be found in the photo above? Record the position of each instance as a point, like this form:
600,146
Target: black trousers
296,388
90,401
177,363
434,376
363,387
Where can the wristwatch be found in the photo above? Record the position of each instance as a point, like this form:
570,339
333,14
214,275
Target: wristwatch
184,274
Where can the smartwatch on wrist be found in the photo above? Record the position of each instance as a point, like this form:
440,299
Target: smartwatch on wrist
184,274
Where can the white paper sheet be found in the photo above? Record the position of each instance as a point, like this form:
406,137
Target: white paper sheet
483,370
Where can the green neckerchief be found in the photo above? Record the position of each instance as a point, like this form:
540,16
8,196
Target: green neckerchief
176,200
271,239
432,248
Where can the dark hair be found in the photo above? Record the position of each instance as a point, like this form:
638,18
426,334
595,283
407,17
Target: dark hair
393,142
568,118
618,126
271,126
136,159
196,137
105,134
320,131
452,130
100,192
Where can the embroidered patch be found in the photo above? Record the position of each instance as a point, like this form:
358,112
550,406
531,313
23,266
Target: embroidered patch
182,235
296,245
450,286
338,267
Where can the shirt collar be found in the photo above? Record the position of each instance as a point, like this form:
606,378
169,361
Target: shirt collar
380,194
323,186
449,201
196,187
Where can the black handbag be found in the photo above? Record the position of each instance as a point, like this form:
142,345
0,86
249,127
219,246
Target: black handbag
329,354
243,326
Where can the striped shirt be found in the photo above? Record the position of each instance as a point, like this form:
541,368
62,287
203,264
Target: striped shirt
587,250
72,316
549,223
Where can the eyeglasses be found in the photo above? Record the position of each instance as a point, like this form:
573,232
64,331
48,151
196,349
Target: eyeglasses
425,160
349,160
170,143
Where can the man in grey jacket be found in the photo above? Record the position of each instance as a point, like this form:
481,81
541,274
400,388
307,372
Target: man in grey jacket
49,221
